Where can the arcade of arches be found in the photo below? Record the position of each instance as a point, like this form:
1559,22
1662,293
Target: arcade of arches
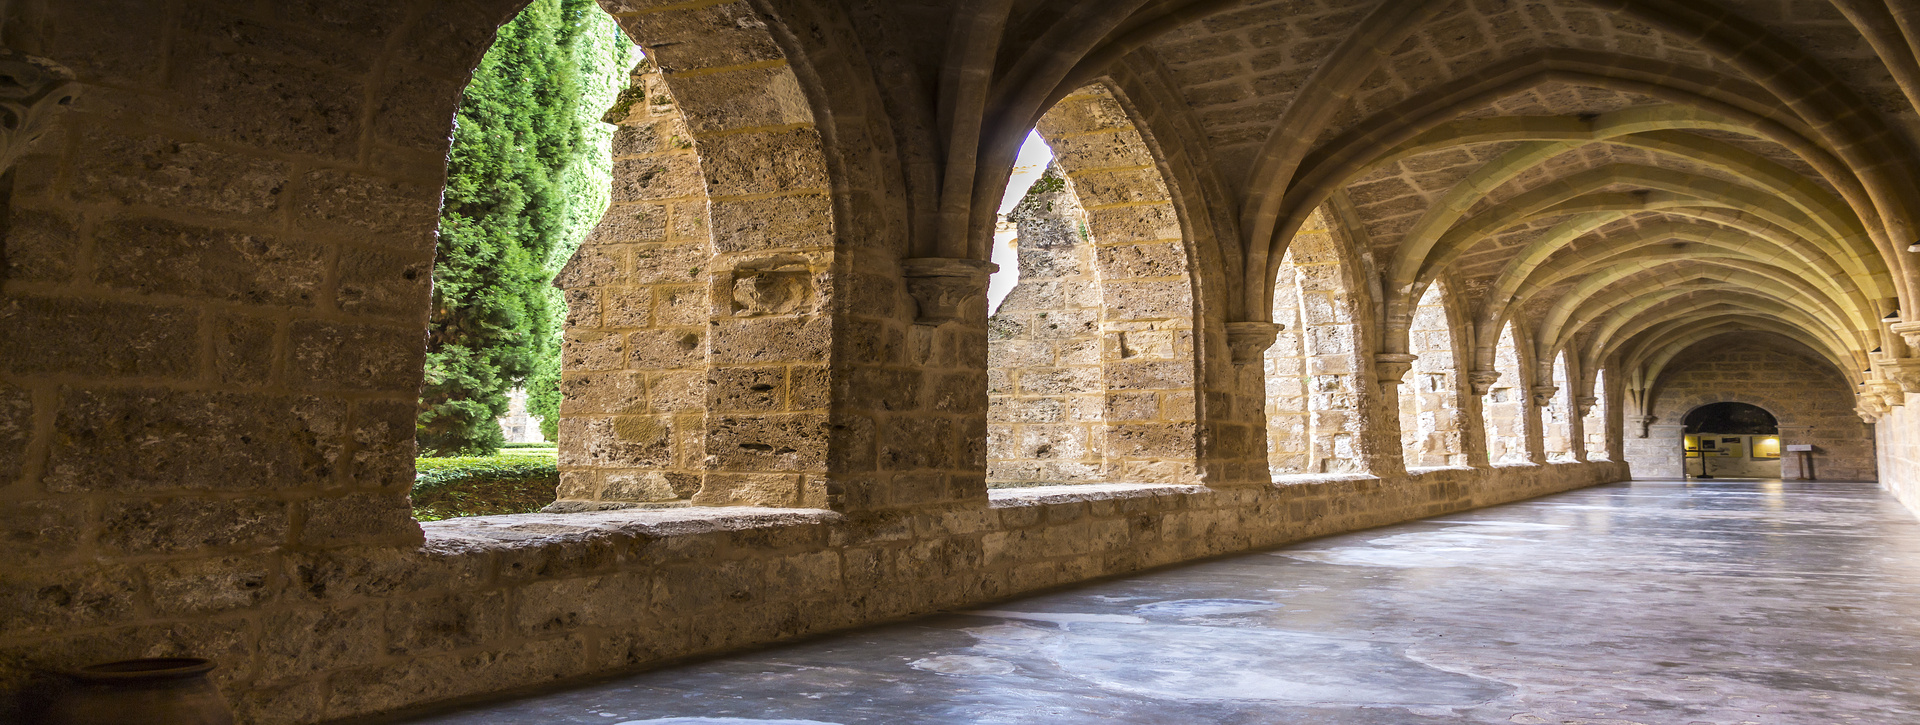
1304,268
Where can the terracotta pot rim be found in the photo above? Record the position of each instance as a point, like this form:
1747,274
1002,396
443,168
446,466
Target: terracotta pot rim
151,668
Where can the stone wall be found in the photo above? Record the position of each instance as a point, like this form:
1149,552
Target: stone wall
633,366
1148,290
1046,385
1313,398
492,603
1897,452
1431,432
1504,407
1812,403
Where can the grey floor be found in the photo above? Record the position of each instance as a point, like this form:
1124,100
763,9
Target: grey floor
1660,603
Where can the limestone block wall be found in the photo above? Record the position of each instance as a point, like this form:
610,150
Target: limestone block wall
1505,406
633,367
1148,295
1812,403
1313,398
1046,384
1897,452
1430,418
1557,418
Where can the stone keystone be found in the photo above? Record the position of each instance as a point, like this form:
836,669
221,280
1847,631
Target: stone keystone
1390,367
33,91
1543,395
1481,381
1583,404
1250,340
944,286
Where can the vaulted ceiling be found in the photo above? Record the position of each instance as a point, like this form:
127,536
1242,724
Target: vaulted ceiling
1615,178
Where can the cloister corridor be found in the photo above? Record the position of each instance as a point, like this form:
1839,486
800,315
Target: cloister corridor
1643,602
960,361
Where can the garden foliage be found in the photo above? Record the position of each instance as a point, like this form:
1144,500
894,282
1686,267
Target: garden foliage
526,177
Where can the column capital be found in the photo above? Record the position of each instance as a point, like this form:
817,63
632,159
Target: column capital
36,91
1249,340
942,286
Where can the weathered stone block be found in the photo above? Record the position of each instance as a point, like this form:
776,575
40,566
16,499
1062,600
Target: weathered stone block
789,442
357,517
445,621
174,525
606,393
399,213
333,356
591,350
383,284
46,601
203,586
772,162
664,349
160,172
120,339
655,178
41,245
317,639
261,441
800,221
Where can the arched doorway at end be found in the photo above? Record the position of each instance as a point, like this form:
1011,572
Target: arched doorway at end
1732,440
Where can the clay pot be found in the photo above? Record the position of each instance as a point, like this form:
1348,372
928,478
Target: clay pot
162,691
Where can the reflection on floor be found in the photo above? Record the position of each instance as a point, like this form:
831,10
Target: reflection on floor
1655,602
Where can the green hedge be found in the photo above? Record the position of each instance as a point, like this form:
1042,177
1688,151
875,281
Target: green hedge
483,485
528,445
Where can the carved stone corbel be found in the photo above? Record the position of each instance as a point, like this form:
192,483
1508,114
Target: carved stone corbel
1870,408
1481,381
1543,395
943,286
1249,340
33,91
1909,331
1390,367
1888,391
1583,404
1904,372
1644,422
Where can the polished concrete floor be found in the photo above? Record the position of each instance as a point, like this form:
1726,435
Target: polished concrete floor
1661,603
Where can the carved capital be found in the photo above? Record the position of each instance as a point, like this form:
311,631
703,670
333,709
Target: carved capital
1390,367
1888,391
1249,340
1870,408
1909,331
1645,422
1481,381
942,287
1583,404
33,91
1543,395
1904,372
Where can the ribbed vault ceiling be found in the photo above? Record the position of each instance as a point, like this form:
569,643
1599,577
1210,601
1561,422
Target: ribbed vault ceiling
1620,180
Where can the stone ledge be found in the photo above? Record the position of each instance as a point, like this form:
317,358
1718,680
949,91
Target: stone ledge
1078,493
657,522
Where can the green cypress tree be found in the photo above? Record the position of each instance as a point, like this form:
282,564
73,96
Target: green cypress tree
605,56
506,210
